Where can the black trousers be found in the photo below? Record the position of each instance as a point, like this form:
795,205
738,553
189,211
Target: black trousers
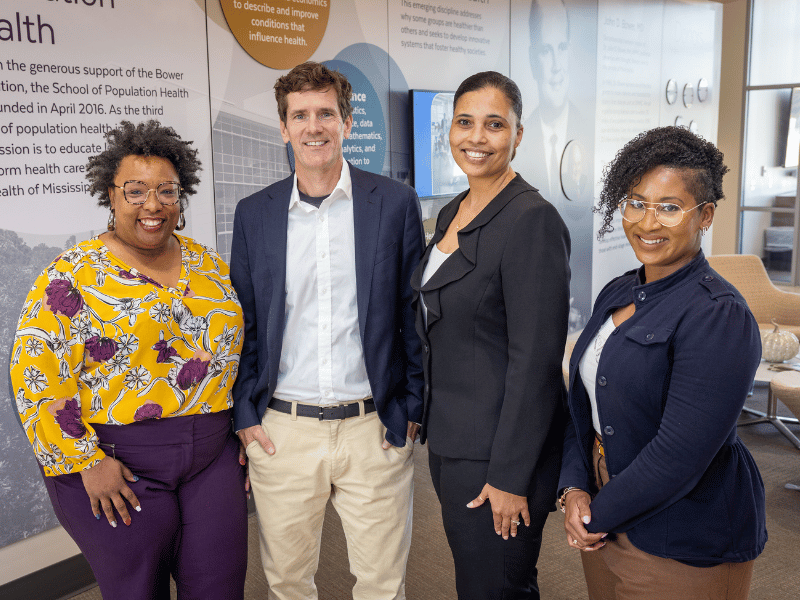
487,566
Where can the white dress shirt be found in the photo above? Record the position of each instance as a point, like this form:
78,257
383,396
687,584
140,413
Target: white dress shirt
322,360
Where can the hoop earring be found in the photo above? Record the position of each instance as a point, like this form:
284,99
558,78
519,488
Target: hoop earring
112,221
181,222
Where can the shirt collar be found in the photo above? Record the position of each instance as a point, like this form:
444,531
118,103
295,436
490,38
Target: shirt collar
343,190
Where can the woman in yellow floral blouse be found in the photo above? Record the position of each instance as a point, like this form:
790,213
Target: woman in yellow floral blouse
125,353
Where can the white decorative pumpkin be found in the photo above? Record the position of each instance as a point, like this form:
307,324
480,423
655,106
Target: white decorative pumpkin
778,346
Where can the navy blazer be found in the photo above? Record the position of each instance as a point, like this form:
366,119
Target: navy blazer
497,323
389,243
671,383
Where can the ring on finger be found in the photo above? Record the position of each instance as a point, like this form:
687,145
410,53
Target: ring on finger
574,542
515,522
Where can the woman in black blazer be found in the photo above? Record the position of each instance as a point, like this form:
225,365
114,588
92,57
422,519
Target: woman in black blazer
492,300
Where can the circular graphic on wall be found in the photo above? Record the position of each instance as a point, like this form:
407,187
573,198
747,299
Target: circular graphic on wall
280,34
380,69
366,146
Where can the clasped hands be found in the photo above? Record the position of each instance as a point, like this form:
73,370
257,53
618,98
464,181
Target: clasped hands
257,433
578,515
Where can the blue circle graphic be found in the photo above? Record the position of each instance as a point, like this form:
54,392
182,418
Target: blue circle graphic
366,147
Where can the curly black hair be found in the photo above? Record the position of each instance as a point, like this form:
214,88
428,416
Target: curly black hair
148,138
699,161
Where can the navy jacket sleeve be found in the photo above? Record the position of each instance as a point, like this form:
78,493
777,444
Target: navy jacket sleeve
244,410
413,247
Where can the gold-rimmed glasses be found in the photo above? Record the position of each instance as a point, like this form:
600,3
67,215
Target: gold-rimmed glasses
137,192
668,214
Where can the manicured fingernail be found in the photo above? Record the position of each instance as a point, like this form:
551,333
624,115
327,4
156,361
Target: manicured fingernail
97,517
113,523
604,535
586,519
271,451
127,521
135,478
138,508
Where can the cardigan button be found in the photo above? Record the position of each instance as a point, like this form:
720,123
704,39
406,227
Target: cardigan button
608,430
649,336
426,348
708,278
601,380
642,296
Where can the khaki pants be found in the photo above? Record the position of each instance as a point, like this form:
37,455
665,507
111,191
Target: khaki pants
620,571
371,489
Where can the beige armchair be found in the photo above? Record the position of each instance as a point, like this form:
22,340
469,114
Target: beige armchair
747,274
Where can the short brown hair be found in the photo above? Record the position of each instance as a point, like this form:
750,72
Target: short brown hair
317,77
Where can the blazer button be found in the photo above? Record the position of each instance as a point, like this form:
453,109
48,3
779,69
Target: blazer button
601,380
426,348
427,389
708,278
642,296
649,336
608,430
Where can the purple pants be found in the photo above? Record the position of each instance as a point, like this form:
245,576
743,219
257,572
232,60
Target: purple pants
193,523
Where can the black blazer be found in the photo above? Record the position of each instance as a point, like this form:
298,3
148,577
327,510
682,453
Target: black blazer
497,324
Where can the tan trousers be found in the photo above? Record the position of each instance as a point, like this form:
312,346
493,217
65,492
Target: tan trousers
371,489
620,571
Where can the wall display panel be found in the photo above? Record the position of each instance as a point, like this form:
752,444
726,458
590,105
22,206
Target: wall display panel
438,43
554,66
70,72
630,91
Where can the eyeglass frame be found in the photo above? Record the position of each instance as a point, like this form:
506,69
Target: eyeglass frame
149,189
655,210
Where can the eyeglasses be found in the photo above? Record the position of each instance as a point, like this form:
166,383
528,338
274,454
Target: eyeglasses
669,215
137,192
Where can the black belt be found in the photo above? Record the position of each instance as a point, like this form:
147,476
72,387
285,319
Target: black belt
323,413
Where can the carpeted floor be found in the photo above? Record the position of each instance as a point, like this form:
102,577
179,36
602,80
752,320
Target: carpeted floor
430,566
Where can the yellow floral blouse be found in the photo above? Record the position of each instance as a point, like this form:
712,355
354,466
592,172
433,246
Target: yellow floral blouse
99,342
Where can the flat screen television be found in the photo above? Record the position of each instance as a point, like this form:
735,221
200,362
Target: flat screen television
434,171
793,135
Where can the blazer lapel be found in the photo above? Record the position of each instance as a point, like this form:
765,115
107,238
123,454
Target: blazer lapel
275,222
366,223
464,258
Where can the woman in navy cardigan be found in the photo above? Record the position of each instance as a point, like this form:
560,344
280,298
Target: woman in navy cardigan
658,490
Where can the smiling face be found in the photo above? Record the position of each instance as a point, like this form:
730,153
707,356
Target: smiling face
147,228
316,130
663,250
484,133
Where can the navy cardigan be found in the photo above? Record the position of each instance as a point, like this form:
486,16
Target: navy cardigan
671,383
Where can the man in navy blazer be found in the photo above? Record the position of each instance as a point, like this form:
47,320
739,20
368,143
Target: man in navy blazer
329,389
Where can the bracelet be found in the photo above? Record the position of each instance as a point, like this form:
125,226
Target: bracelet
562,501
